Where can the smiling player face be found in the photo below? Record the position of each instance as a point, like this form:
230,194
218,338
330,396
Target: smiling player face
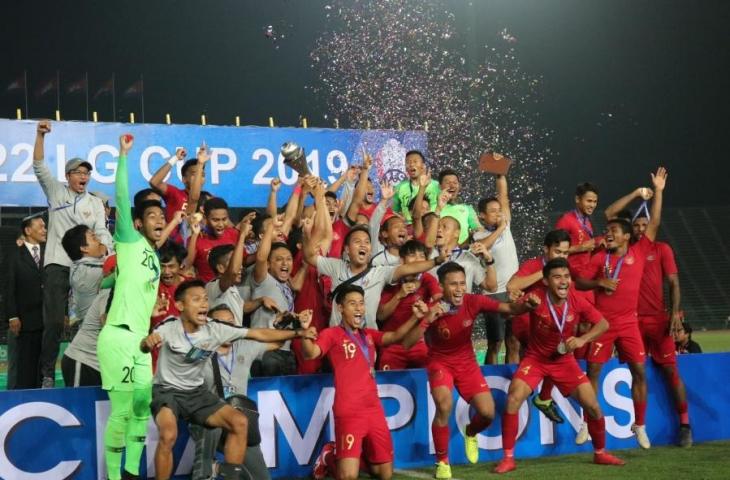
454,287
352,310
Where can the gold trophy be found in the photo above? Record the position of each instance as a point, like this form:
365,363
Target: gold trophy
295,158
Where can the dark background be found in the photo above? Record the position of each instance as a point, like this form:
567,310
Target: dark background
627,84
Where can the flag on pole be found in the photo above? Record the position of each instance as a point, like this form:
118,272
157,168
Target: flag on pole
105,88
78,86
135,90
17,84
47,87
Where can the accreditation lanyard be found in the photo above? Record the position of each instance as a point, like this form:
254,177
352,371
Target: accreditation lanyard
583,220
559,322
287,294
361,342
195,354
228,367
617,270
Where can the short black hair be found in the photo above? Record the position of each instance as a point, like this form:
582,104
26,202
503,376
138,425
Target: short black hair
412,203
482,205
185,286
345,290
141,207
204,197
446,172
257,226
188,165
639,214
626,227
411,247
331,195
360,227
221,307
416,152
553,264
142,195
296,235
216,254
584,188
449,267
687,328
278,245
170,251
73,240
556,237
215,203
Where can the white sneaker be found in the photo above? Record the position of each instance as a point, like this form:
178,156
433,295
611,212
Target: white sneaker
583,435
641,436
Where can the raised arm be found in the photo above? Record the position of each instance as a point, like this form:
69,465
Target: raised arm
228,279
272,210
261,268
177,219
523,282
613,210
50,184
361,189
309,243
417,217
348,175
196,183
503,197
322,221
158,179
659,180
124,230
192,241
415,268
43,127
292,209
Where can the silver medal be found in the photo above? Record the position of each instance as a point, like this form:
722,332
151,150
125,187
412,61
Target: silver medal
562,348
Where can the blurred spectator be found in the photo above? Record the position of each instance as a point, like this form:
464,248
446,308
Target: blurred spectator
24,304
683,340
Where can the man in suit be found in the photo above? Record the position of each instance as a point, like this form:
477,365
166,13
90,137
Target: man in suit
25,301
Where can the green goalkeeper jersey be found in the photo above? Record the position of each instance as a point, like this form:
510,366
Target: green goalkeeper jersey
138,267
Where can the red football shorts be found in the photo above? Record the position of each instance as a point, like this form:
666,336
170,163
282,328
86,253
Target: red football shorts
564,372
467,377
628,342
366,432
659,344
521,328
397,357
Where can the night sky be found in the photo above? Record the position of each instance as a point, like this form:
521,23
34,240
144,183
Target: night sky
627,84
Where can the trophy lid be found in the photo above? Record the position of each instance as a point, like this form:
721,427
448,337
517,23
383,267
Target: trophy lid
290,149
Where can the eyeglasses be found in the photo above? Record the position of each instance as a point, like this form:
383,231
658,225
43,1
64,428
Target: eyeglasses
83,173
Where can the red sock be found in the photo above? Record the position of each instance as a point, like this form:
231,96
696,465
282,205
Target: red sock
683,413
441,442
547,389
477,424
597,429
509,432
640,412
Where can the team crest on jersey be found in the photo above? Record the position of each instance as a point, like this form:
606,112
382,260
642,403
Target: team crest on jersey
468,322
526,370
630,260
650,258
86,213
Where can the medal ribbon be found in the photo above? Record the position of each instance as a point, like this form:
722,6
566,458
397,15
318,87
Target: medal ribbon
583,220
362,344
617,270
558,323
645,207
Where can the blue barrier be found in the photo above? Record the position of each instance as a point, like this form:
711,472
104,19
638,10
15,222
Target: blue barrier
244,160
58,434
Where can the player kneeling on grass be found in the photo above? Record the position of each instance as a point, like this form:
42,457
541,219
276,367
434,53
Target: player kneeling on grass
550,355
186,344
360,426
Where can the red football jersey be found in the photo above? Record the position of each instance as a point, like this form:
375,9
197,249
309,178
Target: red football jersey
355,387
527,268
203,247
659,264
174,200
339,230
312,295
579,233
620,306
429,287
449,336
545,334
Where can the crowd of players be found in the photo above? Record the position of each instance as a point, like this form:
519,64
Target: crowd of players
176,305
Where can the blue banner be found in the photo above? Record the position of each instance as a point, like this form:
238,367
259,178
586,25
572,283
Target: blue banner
58,434
243,162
